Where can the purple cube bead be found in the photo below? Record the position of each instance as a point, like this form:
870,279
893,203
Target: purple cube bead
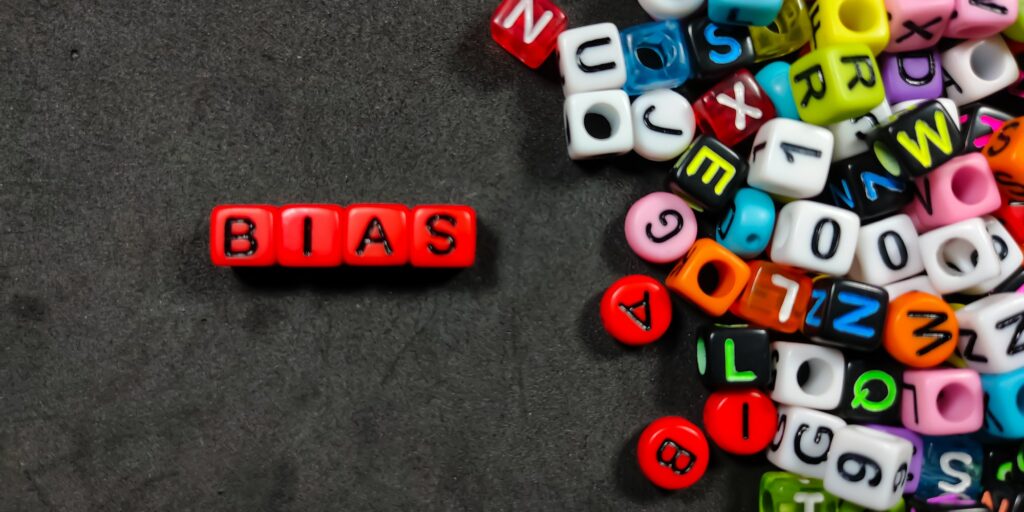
916,461
915,75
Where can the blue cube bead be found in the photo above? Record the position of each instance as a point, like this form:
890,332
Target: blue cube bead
774,79
1004,404
758,13
656,57
952,465
746,228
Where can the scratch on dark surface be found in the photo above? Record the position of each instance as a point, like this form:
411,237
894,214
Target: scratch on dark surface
38,490
393,364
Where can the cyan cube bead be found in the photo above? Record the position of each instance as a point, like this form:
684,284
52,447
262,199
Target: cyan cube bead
774,79
1004,409
746,228
656,57
952,465
757,13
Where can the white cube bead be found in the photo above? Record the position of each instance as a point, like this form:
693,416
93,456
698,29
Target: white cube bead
670,9
825,368
1010,257
790,158
802,440
850,134
978,68
663,125
590,58
887,251
868,467
815,237
914,284
614,107
990,333
947,253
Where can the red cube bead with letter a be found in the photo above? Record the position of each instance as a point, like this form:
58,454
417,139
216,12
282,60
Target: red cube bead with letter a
528,29
243,235
377,235
443,236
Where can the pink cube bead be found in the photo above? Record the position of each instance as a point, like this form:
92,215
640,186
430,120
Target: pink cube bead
980,19
942,402
661,227
916,24
960,189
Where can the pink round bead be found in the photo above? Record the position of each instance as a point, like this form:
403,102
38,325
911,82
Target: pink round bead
660,227
978,20
942,402
960,189
916,24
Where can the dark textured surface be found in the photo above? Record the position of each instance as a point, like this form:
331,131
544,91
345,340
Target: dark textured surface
135,376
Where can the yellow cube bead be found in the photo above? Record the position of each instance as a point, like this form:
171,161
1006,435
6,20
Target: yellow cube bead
836,83
1016,31
787,34
850,21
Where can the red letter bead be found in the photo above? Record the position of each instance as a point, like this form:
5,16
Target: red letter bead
377,235
443,236
740,421
528,29
734,109
673,453
310,235
636,310
243,236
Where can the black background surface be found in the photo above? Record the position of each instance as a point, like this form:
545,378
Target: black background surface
136,376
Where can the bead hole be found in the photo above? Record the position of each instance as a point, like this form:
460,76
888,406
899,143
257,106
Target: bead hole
767,503
601,121
858,15
968,185
650,57
708,279
987,62
956,254
955,402
814,376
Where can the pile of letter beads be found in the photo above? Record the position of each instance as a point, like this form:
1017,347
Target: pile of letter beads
863,269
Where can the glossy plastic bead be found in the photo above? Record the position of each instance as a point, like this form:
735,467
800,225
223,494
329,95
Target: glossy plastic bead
1002,463
872,391
978,68
948,104
636,310
868,467
1015,32
824,368
708,174
672,453
744,12
670,9
775,297
952,465
887,251
862,185
734,357
443,236
916,460
1011,216
786,492
978,123
921,330
846,314
836,22
774,81
1004,412
815,237
243,235
960,189
790,31
942,402
734,109
656,57
1003,496
944,503
1005,155
835,83
377,235
663,125
790,159
1010,257
740,421
590,58
976,19
584,142
746,227
851,134
912,75
914,284
718,49
733,274
917,141
968,247
310,235
917,24
802,440
528,29
660,227
990,333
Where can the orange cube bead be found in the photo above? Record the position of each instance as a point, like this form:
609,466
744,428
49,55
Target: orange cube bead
775,297
1005,155
733,274
921,330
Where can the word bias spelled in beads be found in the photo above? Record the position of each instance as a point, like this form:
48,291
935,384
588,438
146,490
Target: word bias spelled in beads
323,235
863,270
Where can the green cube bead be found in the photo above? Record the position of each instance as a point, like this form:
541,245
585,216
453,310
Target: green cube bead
787,34
786,492
835,83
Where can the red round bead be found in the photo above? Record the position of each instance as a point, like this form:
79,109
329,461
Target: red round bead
673,453
740,421
636,310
